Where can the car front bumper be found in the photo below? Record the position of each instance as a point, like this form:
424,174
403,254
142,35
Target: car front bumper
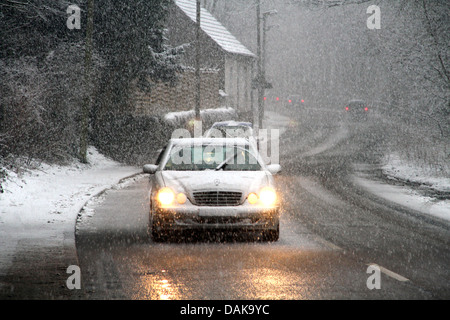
209,218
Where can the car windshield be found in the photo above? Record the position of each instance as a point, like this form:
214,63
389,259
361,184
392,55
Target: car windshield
211,157
230,132
357,104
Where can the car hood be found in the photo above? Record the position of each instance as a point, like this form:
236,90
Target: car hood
190,181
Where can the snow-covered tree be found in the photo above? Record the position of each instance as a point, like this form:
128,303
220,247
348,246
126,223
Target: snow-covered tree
43,68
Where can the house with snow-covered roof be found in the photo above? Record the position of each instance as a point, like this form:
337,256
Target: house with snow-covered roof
228,67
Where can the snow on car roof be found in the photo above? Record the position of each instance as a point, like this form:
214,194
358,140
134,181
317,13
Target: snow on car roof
225,141
232,123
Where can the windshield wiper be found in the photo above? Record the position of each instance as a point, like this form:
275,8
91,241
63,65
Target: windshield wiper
225,162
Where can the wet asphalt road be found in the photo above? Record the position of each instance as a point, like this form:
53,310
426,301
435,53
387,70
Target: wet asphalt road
330,233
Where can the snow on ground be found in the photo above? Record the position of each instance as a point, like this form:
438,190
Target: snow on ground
399,170
41,205
407,197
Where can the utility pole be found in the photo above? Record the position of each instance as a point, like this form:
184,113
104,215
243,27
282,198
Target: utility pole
84,137
263,63
264,84
259,75
197,65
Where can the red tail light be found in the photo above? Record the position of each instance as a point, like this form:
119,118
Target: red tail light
290,101
366,109
303,100
346,108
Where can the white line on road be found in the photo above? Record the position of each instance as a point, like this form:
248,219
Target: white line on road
328,244
390,273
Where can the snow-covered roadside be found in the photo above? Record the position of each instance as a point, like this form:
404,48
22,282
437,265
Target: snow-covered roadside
399,170
41,206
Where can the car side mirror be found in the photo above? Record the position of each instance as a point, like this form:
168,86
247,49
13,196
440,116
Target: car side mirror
150,168
274,168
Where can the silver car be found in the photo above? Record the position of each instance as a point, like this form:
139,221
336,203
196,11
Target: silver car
213,183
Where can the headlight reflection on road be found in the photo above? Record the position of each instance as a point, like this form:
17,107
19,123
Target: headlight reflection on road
156,286
164,288
270,284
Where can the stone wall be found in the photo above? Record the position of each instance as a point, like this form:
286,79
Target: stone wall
166,97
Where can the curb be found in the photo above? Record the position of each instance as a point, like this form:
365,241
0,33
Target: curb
73,236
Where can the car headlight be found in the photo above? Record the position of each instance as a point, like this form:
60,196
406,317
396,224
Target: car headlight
165,196
252,198
268,196
181,198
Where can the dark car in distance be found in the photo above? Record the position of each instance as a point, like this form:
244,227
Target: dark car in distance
357,110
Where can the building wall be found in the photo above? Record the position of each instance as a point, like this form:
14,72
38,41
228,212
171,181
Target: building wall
238,83
165,97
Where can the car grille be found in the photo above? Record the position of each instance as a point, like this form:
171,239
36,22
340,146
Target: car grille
217,198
